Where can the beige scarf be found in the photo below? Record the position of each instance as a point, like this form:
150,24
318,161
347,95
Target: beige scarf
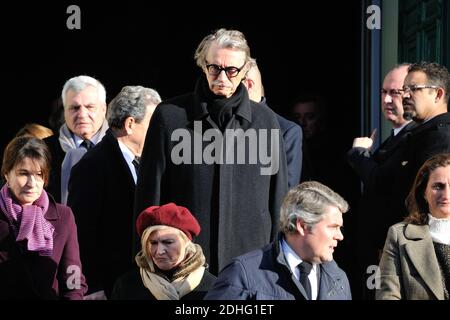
186,278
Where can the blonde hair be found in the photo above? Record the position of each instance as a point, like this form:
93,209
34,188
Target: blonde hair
34,130
144,258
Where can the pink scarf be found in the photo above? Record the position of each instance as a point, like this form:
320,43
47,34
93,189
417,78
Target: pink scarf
28,222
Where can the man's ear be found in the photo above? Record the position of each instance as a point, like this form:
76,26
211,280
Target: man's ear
440,94
104,108
302,227
250,83
129,125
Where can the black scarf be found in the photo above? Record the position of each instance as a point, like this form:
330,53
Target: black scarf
220,109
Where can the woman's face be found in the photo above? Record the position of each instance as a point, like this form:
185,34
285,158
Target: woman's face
437,193
26,181
167,248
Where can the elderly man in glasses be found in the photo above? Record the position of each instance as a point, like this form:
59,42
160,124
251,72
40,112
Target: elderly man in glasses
369,165
217,153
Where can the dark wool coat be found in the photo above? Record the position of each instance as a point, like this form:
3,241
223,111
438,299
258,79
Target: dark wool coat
423,142
131,287
27,275
101,195
58,154
292,138
237,207
374,172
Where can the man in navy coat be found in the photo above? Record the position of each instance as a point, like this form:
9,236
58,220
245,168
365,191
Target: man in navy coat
299,264
292,132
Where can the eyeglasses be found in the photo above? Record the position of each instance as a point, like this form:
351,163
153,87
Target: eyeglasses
415,87
231,72
392,92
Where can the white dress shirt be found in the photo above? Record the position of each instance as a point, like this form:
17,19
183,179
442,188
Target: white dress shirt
293,261
397,130
129,157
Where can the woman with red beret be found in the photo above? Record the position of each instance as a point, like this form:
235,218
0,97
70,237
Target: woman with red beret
171,266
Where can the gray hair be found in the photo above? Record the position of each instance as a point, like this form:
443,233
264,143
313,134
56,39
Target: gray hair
132,101
437,75
230,39
78,84
308,202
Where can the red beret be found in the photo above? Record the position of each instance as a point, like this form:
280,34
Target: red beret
168,215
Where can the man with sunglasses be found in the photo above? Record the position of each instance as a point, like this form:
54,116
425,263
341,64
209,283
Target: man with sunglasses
236,204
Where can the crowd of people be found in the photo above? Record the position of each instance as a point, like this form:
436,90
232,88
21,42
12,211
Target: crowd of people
212,195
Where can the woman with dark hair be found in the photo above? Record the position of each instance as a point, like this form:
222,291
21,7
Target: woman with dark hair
39,255
171,266
415,264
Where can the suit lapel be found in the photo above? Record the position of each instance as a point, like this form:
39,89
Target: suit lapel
391,144
422,255
281,259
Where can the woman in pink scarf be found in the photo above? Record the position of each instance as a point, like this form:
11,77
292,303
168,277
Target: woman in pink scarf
39,254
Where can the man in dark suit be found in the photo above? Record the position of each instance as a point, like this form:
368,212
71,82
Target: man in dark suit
425,100
292,133
299,264
84,103
102,189
369,165
217,153
425,95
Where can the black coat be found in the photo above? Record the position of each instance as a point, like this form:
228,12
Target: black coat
131,287
426,140
392,178
101,194
377,172
236,206
292,138
372,167
58,154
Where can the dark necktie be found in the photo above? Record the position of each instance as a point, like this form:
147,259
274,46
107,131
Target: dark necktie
136,163
87,144
305,268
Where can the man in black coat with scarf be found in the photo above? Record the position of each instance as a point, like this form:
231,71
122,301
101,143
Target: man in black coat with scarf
219,154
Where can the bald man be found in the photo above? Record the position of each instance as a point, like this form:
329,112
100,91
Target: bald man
376,171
